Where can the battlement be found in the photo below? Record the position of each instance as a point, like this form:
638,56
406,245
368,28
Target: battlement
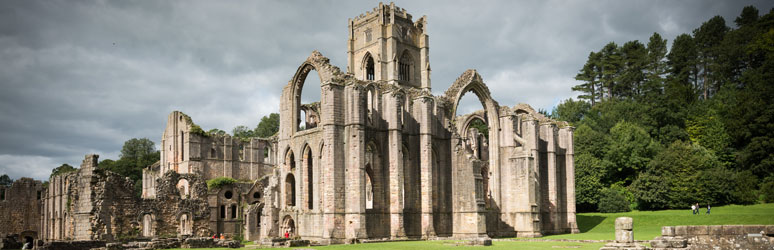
386,10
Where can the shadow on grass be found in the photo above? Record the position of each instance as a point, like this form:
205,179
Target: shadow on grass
587,222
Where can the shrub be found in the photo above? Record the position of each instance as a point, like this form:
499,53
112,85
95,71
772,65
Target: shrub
219,182
613,201
767,189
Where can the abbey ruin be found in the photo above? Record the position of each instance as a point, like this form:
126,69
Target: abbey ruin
378,157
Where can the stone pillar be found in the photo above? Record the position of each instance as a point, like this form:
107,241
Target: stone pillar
549,135
394,114
331,117
624,236
355,174
425,106
566,138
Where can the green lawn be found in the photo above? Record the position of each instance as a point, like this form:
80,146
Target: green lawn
599,226
647,224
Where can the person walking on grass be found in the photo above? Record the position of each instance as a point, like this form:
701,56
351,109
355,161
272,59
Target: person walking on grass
708,208
693,209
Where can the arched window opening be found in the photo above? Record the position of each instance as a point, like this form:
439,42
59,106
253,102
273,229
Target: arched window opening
233,211
308,98
258,217
290,161
213,152
369,68
266,153
407,183
182,188
370,101
241,152
290,191
404,67
147,223
182,155
308,159
222,211
369,187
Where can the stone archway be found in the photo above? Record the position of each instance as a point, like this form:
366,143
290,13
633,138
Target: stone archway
288,226
471,81
317,62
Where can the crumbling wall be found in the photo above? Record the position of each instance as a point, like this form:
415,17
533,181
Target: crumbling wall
169,207
715,237
20,208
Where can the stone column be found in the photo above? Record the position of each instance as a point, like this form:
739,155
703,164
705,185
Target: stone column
394,102
425,106
548,133
566,136
355,174
331,118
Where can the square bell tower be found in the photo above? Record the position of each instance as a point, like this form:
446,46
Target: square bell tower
385,44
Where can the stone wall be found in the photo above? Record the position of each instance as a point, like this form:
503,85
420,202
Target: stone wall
20,209
715,237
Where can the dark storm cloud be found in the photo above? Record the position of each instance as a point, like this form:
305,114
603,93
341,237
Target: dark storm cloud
82,77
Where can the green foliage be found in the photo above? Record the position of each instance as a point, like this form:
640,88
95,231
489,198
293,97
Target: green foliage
63,169
242,132
745,188
629,150
268,126
216,132
613,201
571,111
136,154
5,180
195,129
480,126
588,181
220,182
708,100
767,189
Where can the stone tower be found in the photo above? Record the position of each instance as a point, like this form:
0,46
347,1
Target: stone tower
386,44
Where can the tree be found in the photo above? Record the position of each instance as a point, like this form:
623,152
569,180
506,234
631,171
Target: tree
655,68
632,73
570,111
216,132
136,154
630,148
5,180
268,126
588,74
242,132
588,181
63,169
610,64
707,38
682,61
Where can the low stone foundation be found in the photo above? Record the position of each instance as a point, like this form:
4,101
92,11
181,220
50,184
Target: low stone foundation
72,245
624,236
715,237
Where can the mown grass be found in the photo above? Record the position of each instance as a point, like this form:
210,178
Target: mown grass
647,224
599,226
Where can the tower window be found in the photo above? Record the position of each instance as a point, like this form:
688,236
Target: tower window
370,68
404,67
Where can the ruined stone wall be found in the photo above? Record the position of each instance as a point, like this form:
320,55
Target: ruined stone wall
715,237
20,208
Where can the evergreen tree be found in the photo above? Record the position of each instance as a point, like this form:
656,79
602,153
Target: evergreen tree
589,75
682,65
656,68
708,37
610,67
632,74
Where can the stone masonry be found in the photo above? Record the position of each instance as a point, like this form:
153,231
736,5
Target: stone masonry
377,157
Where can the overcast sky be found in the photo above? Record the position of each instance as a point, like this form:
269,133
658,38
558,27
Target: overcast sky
82,77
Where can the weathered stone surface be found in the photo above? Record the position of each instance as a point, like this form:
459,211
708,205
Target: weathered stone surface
681,230
668,231
624,223
697,230
377,157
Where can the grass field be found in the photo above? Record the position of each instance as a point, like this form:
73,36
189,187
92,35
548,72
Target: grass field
599,226
647,224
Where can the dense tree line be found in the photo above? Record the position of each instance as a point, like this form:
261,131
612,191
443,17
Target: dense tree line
669,128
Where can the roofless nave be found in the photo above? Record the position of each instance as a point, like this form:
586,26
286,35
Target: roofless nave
377,157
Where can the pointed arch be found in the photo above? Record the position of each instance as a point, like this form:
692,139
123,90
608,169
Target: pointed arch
405,66
309,181
369,67
326,73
